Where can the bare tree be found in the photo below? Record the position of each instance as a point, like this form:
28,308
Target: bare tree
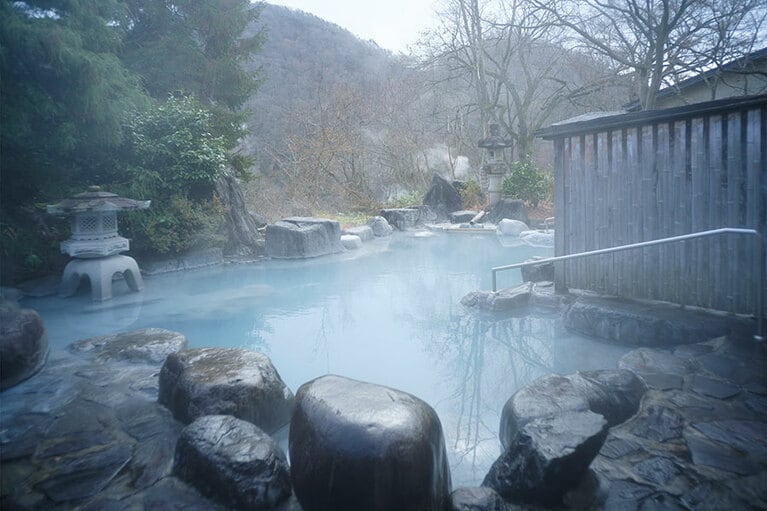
511,56
656,40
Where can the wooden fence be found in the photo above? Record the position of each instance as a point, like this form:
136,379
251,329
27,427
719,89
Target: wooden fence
636,177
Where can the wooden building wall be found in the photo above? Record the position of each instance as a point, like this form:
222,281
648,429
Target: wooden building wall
638,177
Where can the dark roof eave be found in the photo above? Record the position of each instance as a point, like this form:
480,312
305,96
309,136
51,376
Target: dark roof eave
613,122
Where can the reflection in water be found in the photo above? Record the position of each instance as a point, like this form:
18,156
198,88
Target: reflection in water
392,317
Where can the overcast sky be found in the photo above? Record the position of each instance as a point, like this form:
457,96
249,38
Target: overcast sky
392,24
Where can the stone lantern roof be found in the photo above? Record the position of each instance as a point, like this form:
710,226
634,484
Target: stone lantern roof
495,140
95,200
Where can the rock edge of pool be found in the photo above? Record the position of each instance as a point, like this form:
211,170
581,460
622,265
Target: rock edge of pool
86,431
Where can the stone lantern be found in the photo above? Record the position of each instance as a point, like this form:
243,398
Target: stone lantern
95,244
495,166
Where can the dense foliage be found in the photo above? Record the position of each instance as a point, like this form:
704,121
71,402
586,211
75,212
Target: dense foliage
141,97
526,182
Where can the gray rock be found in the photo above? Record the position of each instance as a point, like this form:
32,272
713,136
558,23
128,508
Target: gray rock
463,216
643,324
23,345
303,237
86,473
648,361
364,232
548,457
380,226
508,227
356,445
220,381
479,498
504,300
150,345
538,238
512,209
232,462
442,197
538,273
402,218
613,394
657,423
351,242
712,387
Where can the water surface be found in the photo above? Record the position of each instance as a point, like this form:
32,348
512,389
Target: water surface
389,314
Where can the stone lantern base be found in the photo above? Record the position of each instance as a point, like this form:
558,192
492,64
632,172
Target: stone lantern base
100,272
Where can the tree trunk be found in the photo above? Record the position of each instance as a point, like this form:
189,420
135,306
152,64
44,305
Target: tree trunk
240,226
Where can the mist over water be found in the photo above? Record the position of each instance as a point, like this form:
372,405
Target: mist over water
390,315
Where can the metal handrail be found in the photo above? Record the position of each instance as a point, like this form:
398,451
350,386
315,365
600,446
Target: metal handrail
725,230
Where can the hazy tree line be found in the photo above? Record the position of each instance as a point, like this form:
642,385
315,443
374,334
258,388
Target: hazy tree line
157,99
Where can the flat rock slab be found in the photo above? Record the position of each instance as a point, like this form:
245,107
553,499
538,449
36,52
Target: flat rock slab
220,381
356,445
303,237
479,498
644,324
233,462
150,345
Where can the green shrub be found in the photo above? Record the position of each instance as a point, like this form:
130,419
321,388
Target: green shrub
471,195
528,183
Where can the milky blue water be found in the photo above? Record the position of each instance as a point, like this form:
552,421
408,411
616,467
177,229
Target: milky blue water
389,314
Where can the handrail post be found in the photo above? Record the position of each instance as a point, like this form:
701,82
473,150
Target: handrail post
760,291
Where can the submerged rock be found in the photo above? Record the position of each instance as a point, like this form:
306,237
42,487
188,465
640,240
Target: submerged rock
150,345
303,237
232,462
221,381
356,445
23,345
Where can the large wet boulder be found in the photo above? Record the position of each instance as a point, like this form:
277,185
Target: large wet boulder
222,381
380,226
442,197
613,394
23,345
356,445
303,237
233,462
548,457
149,345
